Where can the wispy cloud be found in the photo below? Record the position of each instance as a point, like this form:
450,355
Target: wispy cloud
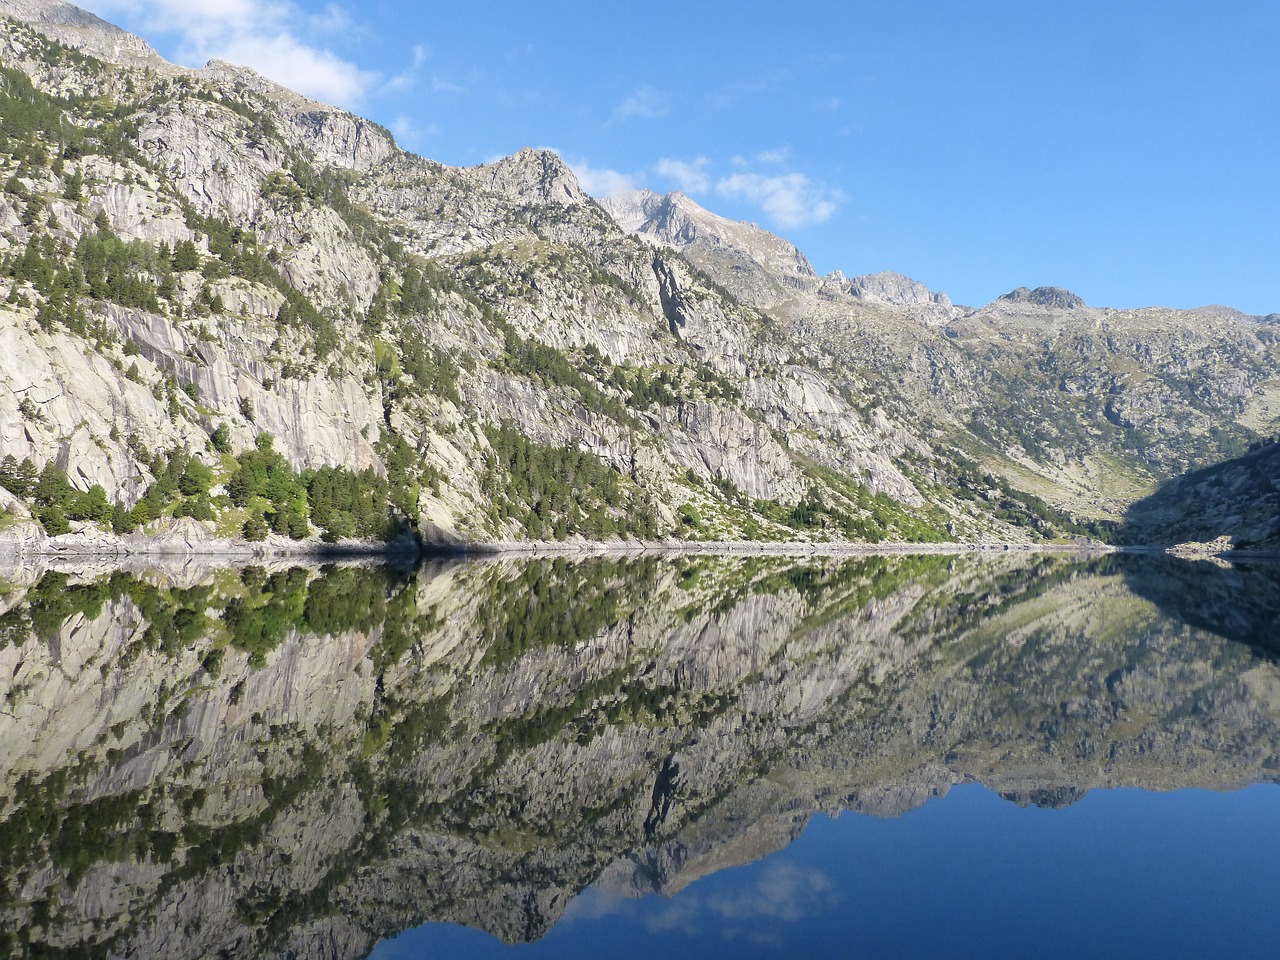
285,59
645,103
332,19
441,84
789,199
780,155
601,181
780,893
691,175
408,133
260,34
768,158
407,78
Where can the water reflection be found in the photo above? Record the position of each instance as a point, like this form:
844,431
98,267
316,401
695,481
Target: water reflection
297,762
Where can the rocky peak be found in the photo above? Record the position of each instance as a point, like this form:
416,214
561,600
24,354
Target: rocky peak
763,267
532,176
632,209
334,135
672,219
675,220
1222,312
81,30
893,288
1054,297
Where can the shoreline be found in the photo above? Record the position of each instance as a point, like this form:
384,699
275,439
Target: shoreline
26,542
748,548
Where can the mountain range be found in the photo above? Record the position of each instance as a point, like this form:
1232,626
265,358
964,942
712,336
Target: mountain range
230,312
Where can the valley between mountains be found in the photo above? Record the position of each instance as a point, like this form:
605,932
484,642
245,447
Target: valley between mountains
232,314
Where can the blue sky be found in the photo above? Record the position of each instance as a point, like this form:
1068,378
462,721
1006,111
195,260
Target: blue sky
1124,150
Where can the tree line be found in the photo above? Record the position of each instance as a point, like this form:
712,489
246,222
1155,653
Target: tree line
338,502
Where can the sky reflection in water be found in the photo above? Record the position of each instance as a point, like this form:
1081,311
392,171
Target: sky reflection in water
1122,872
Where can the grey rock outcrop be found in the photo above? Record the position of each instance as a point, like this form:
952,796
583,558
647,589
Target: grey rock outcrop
82,30
1045,297
894,288
764,267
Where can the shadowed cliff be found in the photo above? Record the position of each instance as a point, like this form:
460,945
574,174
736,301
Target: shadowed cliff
1236,502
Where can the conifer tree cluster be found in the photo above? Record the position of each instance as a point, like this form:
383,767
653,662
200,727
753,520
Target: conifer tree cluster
340,503
556,492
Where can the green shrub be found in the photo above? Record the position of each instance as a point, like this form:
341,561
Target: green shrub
255,528
54,520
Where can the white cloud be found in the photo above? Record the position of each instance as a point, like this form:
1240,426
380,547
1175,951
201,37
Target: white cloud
261,34
683,916
790,199
407,78
334,19
599,182
440,84
409,134
645,104
766,157
781,892
781,155
691,175
317,73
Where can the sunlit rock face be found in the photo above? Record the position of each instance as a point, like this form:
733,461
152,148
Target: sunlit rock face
296,762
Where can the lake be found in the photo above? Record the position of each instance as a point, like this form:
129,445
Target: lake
938,755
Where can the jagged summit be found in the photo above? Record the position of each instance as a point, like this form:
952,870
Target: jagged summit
891,288
532,176
772,267
765,269
1055,297
82,30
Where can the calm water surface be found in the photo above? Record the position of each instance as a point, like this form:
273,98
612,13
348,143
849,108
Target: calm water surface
884,756
1121,873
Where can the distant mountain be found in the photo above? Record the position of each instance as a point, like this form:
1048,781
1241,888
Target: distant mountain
757,266
83,31
1045,297
760,267
1086,407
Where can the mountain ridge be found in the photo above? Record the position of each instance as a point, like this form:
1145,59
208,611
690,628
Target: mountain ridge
474,336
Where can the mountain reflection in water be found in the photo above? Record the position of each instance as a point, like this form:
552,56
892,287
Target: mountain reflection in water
297,762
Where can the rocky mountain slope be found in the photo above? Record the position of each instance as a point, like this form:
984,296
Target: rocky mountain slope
1088,407
197,262
282,762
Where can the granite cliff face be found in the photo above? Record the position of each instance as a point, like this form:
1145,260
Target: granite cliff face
281,762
